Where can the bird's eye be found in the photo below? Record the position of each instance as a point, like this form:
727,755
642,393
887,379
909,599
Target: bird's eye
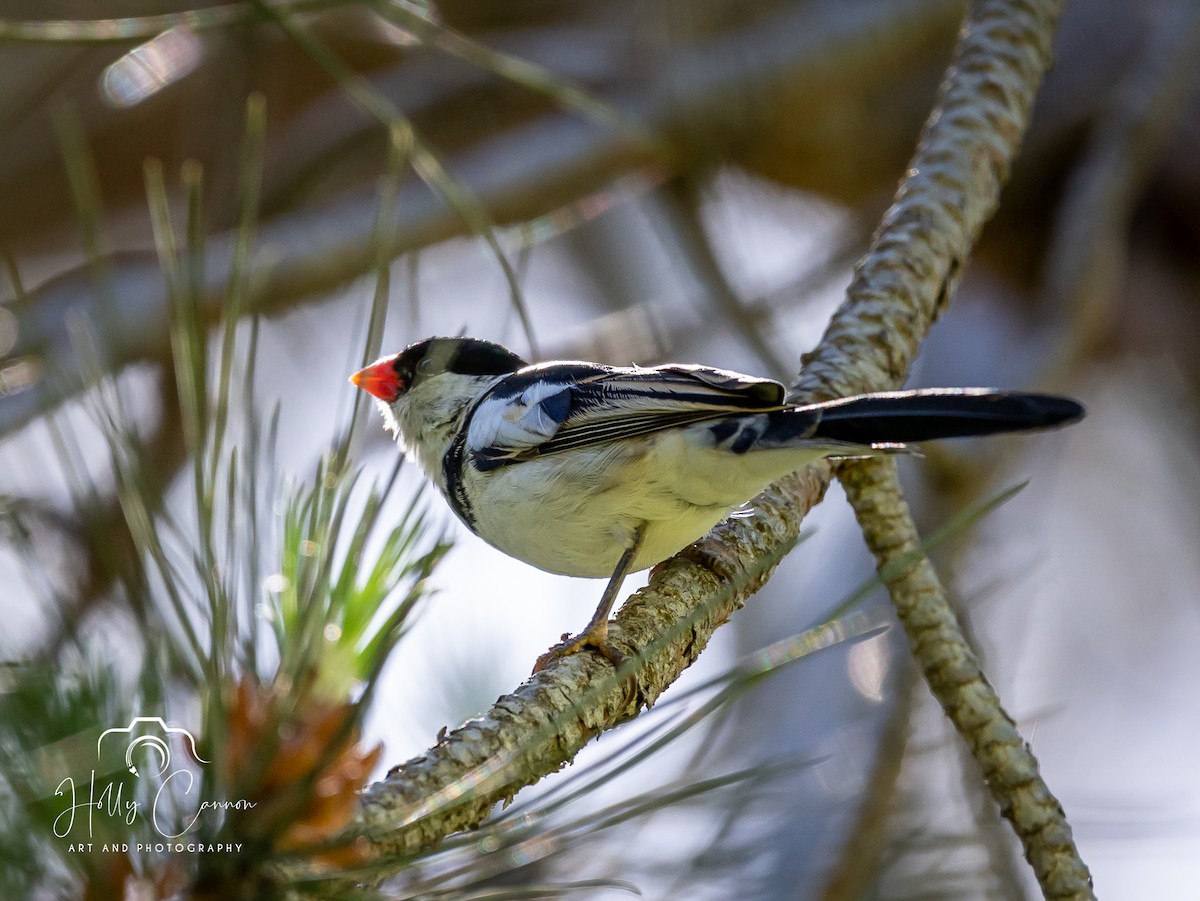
425,366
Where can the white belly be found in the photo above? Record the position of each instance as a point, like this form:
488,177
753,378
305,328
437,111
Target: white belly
575,513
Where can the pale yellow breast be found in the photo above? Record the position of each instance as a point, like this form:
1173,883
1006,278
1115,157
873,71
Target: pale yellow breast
574,513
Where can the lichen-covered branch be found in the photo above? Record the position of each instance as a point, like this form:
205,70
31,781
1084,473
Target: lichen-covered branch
957,680
898,291
897,294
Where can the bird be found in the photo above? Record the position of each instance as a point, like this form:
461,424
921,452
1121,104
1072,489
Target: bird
584,469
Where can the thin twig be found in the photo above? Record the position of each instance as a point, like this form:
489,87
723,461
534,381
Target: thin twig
127,29
682,198
1087,256
858,858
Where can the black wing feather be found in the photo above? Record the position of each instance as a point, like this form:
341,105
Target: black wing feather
597,405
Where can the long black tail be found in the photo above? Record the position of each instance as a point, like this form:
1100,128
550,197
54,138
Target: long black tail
926,414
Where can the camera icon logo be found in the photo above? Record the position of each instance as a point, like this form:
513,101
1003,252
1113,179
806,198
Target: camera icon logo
150,734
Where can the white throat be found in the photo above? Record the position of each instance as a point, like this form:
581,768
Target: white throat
425,420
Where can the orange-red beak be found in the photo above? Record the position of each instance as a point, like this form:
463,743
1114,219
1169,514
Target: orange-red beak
381,380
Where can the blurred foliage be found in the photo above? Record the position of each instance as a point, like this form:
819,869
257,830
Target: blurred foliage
277,723
508,117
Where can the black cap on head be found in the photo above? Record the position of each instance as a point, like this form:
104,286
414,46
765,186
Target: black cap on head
465,356
475,357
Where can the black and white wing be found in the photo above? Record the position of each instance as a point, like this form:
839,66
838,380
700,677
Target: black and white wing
565,406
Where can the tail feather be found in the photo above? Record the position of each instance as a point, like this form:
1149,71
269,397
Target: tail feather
896,417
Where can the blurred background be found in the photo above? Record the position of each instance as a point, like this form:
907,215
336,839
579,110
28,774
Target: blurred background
644,181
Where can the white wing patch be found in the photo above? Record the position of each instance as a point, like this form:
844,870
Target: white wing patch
515,422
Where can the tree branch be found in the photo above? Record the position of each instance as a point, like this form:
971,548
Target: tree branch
956,679
897,294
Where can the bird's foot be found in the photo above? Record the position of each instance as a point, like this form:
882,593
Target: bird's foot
594,637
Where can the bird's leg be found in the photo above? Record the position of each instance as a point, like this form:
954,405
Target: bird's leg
595,633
